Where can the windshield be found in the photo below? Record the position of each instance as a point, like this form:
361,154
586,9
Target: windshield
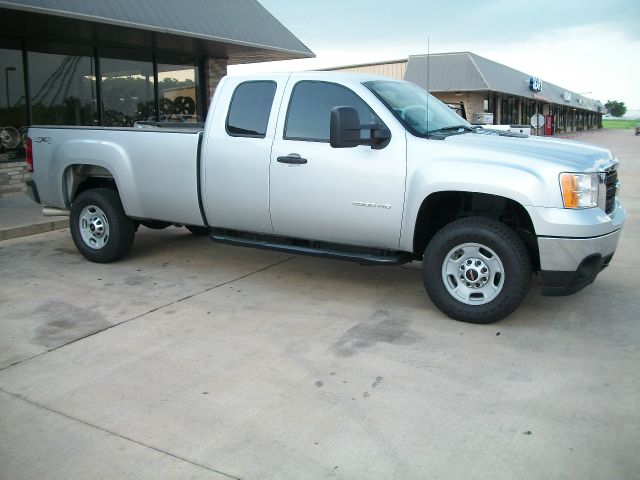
421,113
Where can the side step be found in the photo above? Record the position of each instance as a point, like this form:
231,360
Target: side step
305,247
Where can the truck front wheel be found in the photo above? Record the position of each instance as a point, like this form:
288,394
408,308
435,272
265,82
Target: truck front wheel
476,270
99,226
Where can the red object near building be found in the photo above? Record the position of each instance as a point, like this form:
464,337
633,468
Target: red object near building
548,121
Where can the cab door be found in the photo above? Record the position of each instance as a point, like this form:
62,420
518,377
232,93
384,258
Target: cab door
237,153
350,196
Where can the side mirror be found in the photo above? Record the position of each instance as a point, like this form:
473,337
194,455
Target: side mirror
345,128
344,131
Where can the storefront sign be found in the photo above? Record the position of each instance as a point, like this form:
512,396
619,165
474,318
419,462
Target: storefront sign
535,84
566,96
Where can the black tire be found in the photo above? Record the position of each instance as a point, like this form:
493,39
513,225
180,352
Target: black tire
100,229
490,247
199,231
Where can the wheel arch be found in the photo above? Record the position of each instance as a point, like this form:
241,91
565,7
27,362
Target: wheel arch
101,163
441,208
78,178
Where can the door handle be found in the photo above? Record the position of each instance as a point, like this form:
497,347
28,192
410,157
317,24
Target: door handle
292,158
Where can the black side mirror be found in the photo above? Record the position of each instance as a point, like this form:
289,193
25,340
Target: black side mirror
345,128
344,131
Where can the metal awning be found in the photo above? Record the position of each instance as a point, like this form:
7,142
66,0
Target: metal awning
241,31
466,71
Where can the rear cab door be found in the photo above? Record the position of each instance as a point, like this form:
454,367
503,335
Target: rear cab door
237,152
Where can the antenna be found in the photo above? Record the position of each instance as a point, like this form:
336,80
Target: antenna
428,71
428,60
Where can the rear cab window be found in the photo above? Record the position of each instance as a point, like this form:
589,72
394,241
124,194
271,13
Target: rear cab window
250,109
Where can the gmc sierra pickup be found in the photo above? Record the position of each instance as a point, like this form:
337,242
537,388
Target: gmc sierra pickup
346,166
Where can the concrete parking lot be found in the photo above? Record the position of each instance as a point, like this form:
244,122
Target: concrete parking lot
190,359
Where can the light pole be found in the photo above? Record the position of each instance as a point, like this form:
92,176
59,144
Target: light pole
6,79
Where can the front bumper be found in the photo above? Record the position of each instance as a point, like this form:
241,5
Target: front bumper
567,265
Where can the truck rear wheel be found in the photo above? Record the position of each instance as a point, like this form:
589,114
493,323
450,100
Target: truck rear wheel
476,270
100,229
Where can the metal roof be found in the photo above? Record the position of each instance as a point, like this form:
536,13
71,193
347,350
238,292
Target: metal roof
466,71
235,24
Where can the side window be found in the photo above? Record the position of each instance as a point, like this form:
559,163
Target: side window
250,109
309,114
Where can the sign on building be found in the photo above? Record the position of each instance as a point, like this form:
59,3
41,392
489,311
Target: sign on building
535,84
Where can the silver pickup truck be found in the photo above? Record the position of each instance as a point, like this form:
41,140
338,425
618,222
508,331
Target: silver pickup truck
346,166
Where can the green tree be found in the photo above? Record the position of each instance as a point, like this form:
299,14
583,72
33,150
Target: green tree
615,108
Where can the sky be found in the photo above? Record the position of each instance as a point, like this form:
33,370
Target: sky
586,46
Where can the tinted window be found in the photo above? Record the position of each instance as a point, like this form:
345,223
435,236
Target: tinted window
250,109
309,113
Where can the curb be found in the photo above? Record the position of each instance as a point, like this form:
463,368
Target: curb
26,230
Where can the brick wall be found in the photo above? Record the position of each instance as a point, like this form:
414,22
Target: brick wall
473,102
214,70
13,175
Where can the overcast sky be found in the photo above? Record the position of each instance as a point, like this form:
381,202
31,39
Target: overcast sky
582,45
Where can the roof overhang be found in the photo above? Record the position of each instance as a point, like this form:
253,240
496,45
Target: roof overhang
50,25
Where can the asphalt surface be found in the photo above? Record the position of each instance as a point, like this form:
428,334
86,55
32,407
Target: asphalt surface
190,359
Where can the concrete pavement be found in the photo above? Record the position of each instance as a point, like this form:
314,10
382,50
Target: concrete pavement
190,359
20,216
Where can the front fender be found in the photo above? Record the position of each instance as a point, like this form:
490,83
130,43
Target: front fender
522,185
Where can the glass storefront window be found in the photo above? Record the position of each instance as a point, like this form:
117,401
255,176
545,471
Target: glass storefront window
13,110
527,111
127,92
509,111
63,89
562,118
178,92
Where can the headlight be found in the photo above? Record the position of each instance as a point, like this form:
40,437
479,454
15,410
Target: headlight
579,190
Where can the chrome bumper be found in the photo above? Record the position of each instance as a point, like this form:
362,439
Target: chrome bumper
570,264
566,254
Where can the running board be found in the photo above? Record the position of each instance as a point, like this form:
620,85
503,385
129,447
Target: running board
364,258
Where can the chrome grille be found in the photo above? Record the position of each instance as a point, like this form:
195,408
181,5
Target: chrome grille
611,183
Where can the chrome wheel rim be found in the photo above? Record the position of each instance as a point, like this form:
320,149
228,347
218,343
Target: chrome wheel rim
473,274
94,227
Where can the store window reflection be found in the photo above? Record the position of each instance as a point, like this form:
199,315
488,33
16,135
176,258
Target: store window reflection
63,89
13,110
127,92
177,89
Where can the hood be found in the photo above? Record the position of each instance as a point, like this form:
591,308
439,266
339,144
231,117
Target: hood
569,156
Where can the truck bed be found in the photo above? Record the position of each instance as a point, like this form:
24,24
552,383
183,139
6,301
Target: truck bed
155,169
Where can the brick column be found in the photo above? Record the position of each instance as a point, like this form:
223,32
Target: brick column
473,103
13,175
214,70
